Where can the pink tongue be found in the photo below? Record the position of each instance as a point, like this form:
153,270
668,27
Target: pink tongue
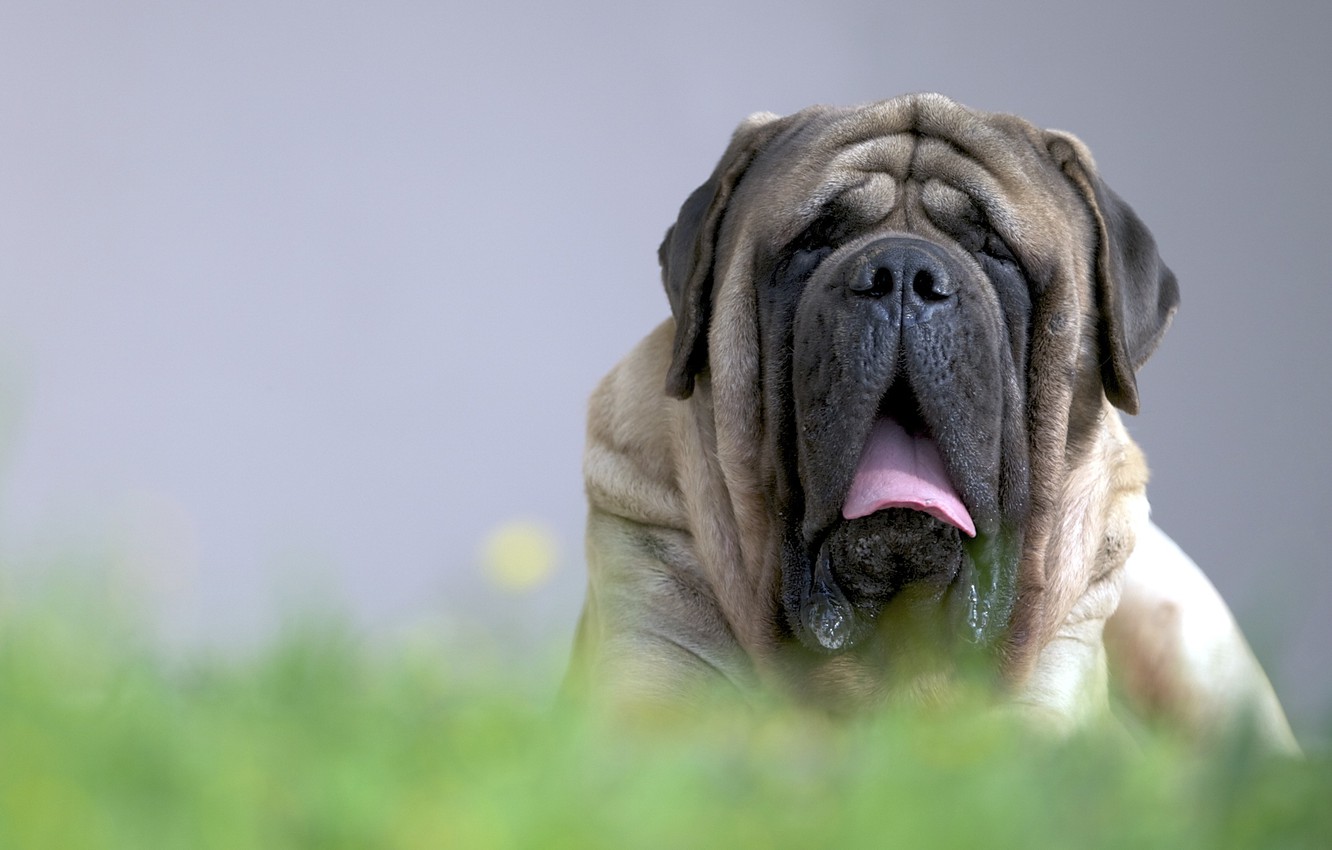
898,470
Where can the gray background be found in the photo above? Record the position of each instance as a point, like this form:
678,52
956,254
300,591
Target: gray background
299,300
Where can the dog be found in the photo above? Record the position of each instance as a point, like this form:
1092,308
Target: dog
878,443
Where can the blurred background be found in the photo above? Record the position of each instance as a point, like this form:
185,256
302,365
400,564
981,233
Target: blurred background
300,303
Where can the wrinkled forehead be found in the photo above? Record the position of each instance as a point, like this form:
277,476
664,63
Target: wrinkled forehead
955,164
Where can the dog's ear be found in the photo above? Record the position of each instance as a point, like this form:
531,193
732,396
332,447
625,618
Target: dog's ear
688,252
1136,295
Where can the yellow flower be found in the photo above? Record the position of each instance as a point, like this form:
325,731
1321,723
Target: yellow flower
519,555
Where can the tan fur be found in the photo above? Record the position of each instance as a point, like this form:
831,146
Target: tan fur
683,551
1100,506
1178,657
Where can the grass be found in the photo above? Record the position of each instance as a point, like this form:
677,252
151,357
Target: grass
322,741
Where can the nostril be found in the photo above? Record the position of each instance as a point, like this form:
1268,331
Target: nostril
876,282
882,282
927,286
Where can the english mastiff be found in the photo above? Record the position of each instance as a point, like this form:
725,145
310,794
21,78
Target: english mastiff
879,441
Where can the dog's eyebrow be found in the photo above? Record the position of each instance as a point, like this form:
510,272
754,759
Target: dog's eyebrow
819,202
848,204
940,198
835,223
815,210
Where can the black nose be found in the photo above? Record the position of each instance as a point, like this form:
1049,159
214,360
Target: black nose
910,269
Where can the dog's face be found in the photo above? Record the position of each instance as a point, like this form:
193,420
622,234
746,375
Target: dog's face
929,295
894,318
899,334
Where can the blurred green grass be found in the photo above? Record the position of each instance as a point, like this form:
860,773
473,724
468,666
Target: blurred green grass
322,740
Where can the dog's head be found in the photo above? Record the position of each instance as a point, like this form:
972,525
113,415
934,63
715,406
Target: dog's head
921,309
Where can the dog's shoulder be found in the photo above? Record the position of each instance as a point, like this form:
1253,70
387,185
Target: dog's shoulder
1175,651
